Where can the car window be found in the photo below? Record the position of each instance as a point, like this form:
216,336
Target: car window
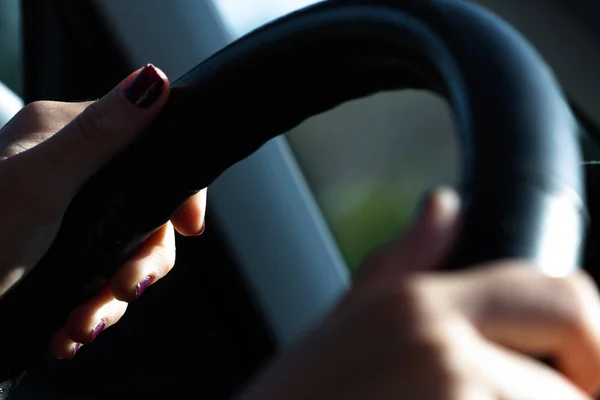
369,161
10,71
10,45
240,17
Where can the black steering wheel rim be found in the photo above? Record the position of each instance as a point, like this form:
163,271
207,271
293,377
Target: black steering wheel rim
522,179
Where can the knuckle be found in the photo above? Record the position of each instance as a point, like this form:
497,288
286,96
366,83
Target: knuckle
162,259
437,346
520,289
49,116
93,124
32,116
40,114
583,280
568,296
412,328
568,290
454,359
406,309
35,109
122,290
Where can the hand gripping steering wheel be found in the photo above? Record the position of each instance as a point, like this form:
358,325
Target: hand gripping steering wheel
522,183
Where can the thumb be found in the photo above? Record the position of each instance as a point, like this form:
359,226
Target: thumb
103,129
423,246
430,238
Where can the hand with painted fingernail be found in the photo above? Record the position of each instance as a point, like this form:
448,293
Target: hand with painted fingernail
47,151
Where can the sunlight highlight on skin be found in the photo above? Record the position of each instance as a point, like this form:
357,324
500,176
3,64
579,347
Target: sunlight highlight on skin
108,309
10,278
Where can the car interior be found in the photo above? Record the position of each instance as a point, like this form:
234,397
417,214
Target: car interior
288,226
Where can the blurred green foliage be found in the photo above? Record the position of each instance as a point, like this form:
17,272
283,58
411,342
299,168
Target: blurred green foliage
375,219
369,161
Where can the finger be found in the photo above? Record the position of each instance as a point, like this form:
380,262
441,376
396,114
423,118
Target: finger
61,345
516,377
91,318
152,262
103,129
423,246
517,307
432,234
580,359
189,219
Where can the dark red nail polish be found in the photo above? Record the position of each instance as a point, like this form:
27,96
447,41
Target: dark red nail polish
145,88
142,286
98,329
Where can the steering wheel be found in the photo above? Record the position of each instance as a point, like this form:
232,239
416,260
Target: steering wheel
522,184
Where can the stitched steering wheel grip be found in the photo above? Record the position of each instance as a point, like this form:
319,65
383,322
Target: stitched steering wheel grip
521,175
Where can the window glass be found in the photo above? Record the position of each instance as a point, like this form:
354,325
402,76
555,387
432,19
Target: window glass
10,44
369,161
242,16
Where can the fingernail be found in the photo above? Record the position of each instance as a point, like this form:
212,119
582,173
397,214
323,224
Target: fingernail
441,199
98,329
76,347
142,286
202,228
448,201
145,88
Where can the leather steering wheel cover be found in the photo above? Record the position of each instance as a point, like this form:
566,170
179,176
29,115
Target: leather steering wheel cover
519,146
505,98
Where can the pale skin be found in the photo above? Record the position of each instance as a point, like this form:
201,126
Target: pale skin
404,330
44,159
